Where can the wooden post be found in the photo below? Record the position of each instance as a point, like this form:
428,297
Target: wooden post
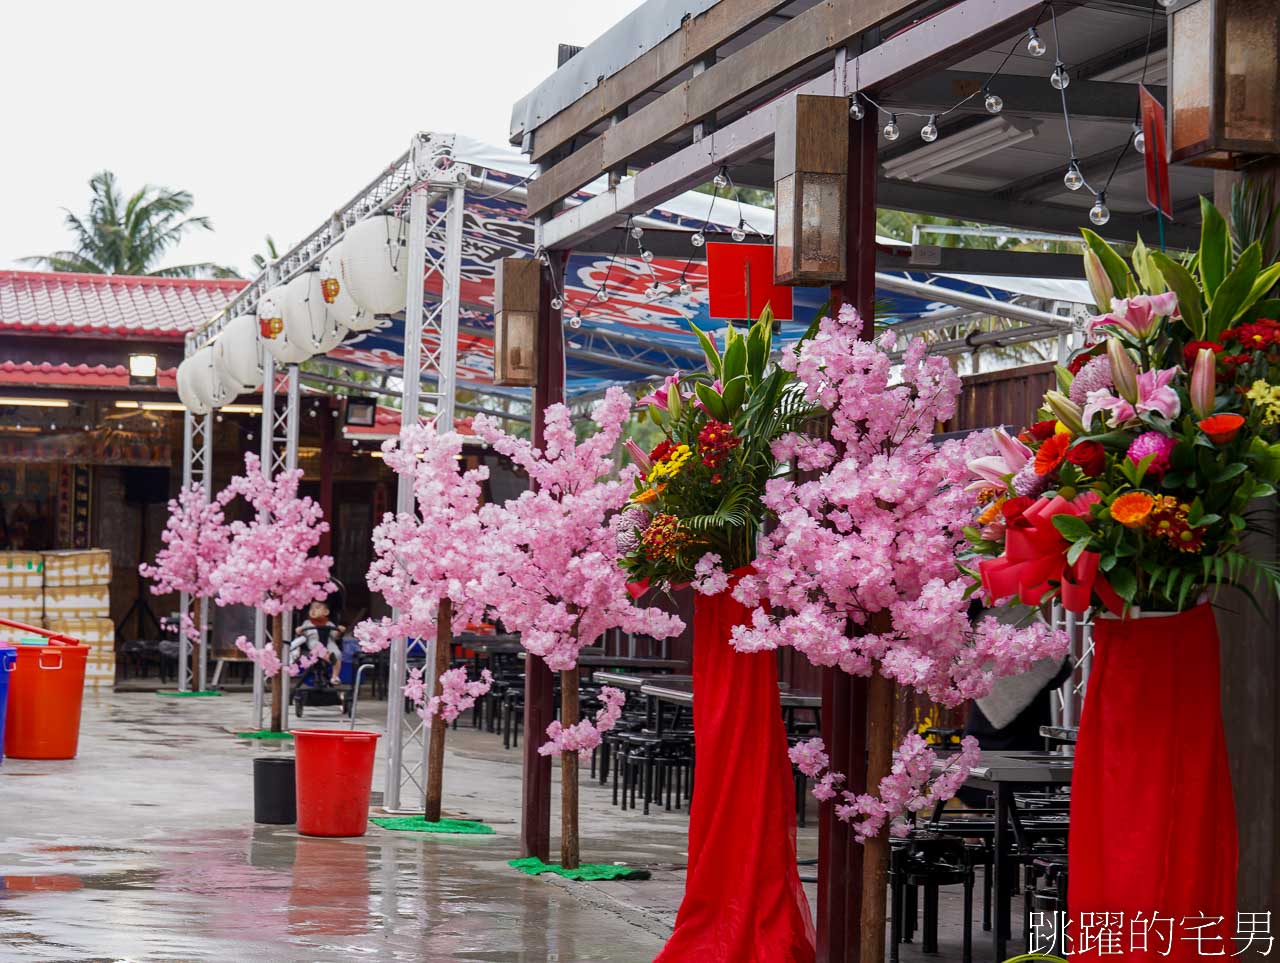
875,851
539,695
277,684
569,772
844,698
435,750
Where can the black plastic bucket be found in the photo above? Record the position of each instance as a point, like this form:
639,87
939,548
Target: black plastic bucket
274,793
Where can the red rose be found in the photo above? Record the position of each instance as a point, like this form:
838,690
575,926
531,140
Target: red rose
1089,456
1043,430
1014,507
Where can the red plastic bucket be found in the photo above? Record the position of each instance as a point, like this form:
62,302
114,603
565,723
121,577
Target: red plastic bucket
334,776
45,693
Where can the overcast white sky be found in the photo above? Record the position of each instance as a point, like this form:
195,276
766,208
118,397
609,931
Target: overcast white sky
270,112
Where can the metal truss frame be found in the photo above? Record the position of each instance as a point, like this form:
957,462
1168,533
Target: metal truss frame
430,356
197,469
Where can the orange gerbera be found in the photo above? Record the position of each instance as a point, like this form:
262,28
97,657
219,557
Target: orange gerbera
644,497
1052,452
1131,509
1222,429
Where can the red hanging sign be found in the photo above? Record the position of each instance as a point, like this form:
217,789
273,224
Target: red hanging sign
1155,157
740,280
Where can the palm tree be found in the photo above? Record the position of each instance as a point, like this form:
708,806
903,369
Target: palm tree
263,261
130,235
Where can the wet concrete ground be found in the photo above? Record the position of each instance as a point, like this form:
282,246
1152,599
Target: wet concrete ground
144,848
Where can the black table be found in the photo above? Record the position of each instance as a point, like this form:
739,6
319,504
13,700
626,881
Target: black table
679,692
1003,774
1060,734
632,680
594,659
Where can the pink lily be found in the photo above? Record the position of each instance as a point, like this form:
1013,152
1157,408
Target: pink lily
639,456
1204,382
992,470
1141,316
1102,400
659,396
1155,396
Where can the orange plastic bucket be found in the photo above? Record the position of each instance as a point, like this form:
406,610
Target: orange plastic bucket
334,777
45,693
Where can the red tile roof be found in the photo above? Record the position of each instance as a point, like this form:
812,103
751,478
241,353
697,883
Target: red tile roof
46,375
104,304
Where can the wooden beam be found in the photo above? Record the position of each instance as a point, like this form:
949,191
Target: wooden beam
697,38
818,30
947,38
958,260
1091,100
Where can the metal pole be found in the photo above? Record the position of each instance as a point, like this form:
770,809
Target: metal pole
290,416
184,600
266,428
451,301
415,282
206,483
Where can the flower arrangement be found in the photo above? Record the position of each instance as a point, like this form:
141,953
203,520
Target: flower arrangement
697,492
1132,491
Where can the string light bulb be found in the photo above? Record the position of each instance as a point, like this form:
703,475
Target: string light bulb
856,110
646,255
720,181
602,295
891,130
697,239
1073,179
738,233
1139,139
557,304
993,102
1035,46
929,132
637,231
1100,213
1059,79
575,321
544,259
686,288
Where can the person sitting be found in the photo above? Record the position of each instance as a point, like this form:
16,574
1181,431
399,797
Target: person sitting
321,636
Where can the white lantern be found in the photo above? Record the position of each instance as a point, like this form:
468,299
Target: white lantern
272,331
210,390
333,287
238,354
375,261
186,392
307,320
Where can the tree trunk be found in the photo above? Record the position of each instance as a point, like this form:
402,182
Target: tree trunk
875,852
435,753
569,773
277,684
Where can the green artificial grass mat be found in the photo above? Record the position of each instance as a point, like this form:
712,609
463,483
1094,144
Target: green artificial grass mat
416,824
587,872
175,694
264,734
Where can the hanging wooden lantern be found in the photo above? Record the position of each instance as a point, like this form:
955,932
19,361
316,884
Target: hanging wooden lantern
515,321
1224,81
810,183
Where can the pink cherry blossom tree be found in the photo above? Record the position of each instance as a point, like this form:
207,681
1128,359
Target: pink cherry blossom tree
195,542
554,573
428,566
862,573
268,564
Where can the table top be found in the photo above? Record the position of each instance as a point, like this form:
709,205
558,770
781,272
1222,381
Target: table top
633,680
1060,733
680,691
595,660
1019,768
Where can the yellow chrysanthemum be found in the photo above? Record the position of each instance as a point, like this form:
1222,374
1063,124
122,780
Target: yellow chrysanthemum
672,464
1267,397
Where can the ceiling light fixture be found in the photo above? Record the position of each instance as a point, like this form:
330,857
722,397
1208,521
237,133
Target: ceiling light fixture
959,149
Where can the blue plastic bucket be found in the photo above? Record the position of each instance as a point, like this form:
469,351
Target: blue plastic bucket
8,661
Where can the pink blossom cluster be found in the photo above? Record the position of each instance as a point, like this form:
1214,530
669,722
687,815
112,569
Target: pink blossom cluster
552,562
457,695
585,735
708,577
439,551
195,543
306,660
268,564
861,569
264,658
907,789
810,454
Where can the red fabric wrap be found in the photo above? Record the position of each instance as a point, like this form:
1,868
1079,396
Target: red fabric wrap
1153,824
1035,554
743,900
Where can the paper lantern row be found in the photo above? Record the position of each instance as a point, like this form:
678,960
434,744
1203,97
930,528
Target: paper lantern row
361,280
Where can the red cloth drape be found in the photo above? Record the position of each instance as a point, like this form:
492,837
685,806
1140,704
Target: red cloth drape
743,900
1153,824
